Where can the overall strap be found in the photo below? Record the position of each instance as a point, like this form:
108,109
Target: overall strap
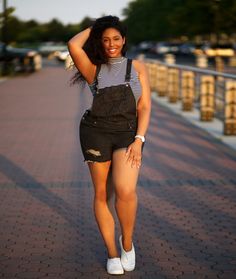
128,70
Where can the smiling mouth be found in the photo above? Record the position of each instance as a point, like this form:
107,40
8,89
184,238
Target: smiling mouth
113,50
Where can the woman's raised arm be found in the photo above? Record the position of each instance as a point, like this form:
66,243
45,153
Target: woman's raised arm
79,56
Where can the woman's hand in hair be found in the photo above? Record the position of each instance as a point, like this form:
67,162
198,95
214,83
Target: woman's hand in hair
79,56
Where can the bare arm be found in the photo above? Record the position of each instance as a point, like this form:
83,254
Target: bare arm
144,103
143,110
79,56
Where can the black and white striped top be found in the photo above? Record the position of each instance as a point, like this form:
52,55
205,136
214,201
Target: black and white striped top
113,73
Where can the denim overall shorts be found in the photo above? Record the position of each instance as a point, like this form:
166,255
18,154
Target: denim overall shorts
111,123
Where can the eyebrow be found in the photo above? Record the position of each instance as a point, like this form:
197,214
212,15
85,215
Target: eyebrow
114,37
106,37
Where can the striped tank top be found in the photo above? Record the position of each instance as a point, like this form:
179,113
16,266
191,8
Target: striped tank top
113,73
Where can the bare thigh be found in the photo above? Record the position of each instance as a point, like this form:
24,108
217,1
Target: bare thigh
124,176
99,172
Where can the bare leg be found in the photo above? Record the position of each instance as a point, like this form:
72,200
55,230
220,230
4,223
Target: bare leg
110,192
125,180
99,173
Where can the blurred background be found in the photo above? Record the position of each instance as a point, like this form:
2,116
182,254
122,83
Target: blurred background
186,219
35,33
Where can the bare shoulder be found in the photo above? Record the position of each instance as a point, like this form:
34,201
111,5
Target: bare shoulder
139,66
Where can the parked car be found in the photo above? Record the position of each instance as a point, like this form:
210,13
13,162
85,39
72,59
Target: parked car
50,48
187,48
161,48
22,59
145,46
61,55
212,50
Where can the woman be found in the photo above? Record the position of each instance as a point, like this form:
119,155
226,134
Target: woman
112,131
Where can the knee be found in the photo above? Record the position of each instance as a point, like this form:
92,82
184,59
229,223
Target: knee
126,195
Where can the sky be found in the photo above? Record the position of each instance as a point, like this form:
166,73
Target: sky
67,11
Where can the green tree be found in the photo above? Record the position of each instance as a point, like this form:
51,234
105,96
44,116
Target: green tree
192,18
86,22
225,12
150,19
4,19
163,19
70,30
53,30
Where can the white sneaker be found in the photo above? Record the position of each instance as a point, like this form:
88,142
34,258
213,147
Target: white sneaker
114,266
127,258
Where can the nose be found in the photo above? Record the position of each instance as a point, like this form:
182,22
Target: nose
111,43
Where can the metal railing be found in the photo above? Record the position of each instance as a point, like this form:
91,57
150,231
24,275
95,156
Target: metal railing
212,92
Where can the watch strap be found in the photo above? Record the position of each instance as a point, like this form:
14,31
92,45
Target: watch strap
140,137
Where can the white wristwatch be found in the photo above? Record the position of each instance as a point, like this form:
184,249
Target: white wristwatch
140,137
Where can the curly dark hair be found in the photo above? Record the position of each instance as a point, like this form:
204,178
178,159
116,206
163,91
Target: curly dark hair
93,46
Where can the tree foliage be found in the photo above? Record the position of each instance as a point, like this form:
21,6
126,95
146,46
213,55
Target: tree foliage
32,31
163,19
146,20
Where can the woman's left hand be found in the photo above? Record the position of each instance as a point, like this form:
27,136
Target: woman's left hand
134,153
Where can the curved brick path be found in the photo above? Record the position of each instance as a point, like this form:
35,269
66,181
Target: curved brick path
187,198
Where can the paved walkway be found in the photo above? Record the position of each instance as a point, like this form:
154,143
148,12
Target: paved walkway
187,191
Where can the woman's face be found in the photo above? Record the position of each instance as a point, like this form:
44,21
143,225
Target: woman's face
112,42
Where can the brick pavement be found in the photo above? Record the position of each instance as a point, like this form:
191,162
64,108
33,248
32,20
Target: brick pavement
186,217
